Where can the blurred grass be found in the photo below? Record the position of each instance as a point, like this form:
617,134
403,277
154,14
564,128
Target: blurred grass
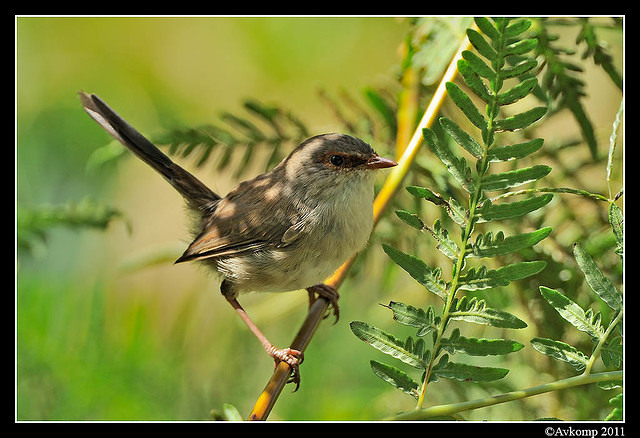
101,336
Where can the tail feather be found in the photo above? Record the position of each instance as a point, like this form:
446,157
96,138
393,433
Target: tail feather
193,190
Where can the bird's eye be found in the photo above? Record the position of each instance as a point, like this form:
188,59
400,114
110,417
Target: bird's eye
336,160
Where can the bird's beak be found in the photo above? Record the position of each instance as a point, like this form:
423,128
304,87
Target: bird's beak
378,162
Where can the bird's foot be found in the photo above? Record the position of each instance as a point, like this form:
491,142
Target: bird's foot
327,292
291,357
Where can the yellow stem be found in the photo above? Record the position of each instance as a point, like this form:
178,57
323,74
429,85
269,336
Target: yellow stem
407,106
398,173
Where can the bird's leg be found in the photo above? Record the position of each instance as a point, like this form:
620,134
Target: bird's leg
292,357
329,293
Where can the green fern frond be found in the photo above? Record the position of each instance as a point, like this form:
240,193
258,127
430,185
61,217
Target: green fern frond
373,119
597,50
561,81
608,346
500,54
34,223
264,126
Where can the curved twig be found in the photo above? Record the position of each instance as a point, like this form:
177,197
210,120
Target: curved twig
455,408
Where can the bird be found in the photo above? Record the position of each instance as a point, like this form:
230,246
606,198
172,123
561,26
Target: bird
287,229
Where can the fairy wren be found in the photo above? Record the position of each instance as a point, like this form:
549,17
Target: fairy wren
287,229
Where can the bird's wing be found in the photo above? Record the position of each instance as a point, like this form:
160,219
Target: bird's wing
244,223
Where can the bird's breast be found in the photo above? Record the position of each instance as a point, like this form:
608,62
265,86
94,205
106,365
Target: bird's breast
333,230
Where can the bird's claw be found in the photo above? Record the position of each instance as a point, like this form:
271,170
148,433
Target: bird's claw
291,357
329,293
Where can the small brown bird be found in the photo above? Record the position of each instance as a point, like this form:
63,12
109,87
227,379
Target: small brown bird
287,229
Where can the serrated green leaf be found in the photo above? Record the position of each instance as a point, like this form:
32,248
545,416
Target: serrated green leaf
478,65
616,401
422,192
488,246
611,353
410,219
476,311
507,210
415,347
520,270
478,346
382,106
469,373
519,69
395,377
583,321
479,279
517,92
481,45
616,219
463,102
266,112
418,270
473,81
600,284
520,121
386,343
456,166
413,317
487,28
612,140
586,127
457,212
445,245
514,178
561,351
516,28
521,47
244,126
616,414
461,137
520,150
501,22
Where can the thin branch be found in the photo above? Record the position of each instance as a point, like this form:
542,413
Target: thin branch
271,392
579,192
601,342
454,408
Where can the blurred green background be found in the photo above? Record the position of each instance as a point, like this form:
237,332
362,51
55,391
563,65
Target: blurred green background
100,338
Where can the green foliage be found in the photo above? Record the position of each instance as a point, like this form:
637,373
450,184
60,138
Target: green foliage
596,50
432,41
228,413
263,126
561,85
616,414
485,75
34,223
498,73
606,338
266,127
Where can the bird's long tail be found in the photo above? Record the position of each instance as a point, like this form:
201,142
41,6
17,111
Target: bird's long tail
196,194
